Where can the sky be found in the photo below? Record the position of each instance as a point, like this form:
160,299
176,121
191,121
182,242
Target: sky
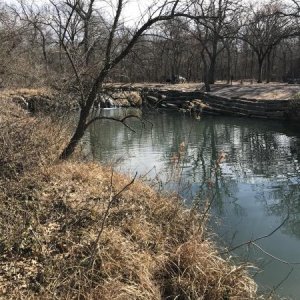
131,13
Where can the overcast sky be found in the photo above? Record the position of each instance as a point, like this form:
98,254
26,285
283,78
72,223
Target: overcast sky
132,11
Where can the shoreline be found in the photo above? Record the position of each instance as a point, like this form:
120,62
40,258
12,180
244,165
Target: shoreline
264,101
77,229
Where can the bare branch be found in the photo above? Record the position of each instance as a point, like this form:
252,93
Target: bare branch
112,200
274,257
261,237
112,32
123,120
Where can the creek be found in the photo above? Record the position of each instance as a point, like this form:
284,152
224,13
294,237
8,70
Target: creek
248,169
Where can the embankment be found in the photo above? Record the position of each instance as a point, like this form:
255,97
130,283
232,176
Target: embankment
276,102
47,100
77,230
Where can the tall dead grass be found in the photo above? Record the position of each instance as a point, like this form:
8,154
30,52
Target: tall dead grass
151,247
27,142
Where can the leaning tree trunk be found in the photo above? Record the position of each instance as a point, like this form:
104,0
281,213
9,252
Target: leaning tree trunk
78,134
83,118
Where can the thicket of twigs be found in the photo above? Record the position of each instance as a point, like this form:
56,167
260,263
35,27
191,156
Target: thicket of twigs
77,230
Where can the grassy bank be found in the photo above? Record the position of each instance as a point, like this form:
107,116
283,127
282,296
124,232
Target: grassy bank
77,230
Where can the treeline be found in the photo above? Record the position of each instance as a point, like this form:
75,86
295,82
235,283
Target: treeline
66,42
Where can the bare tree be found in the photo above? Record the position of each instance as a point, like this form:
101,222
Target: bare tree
175,33
213,33
114,53
265,28
14,39
69,44
32,16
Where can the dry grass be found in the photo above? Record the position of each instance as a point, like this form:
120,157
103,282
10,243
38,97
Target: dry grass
26,142
51,213
40,100
42,91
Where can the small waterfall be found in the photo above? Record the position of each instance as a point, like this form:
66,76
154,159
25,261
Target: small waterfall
118,98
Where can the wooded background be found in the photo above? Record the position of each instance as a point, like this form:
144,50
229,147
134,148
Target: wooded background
228,40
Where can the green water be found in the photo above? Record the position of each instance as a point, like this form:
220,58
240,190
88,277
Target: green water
254,187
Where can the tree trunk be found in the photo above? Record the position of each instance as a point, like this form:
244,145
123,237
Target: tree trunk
44,48
229,78
236,63
87,51
246,65
211,71
212,66
260,70
284,66
252,63
84,114
269,67
78,134
206,78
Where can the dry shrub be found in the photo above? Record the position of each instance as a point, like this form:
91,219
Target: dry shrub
27,142
26,92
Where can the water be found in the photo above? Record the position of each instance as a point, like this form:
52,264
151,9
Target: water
254,187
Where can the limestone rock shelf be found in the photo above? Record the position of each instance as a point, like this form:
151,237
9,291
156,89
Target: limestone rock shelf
238,104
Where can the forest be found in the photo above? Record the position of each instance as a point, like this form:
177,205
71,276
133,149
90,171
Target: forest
67,43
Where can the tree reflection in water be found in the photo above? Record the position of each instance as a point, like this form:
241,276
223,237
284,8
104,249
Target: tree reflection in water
253,188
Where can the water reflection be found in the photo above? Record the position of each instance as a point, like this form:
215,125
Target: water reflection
254,187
